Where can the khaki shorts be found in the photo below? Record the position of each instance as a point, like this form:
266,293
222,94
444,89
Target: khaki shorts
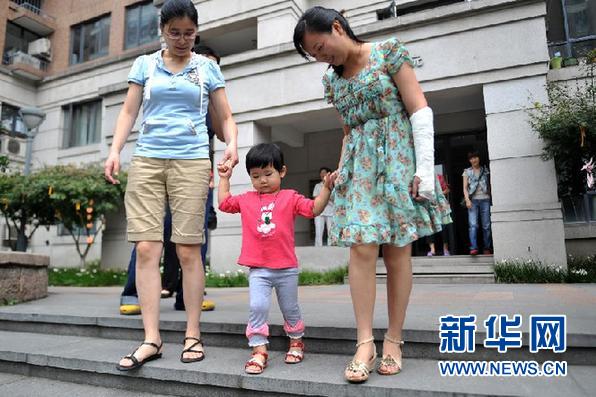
154,182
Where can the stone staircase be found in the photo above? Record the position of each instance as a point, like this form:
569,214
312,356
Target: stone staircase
456,269
84,348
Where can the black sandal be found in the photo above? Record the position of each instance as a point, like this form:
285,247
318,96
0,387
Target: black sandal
190,350
135,362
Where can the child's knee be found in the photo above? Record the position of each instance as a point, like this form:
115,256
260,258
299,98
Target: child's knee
258,307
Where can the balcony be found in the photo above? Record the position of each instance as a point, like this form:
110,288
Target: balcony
28,14
25,65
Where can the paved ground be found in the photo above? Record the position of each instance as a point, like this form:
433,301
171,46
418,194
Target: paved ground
331,306
25,386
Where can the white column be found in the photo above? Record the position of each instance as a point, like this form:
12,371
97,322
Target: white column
276,28
526,214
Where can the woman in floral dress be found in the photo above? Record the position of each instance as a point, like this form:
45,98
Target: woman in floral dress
386,193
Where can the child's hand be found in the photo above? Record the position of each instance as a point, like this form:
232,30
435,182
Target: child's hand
329,179
225,170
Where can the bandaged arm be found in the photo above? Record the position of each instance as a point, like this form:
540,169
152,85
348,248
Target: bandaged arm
424,147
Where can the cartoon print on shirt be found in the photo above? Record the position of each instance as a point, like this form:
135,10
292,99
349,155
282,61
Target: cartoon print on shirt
266,226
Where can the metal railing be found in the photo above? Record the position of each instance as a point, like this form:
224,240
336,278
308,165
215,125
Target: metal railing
35,6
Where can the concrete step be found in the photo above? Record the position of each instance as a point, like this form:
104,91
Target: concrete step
91,361
420,343
456,269
457,278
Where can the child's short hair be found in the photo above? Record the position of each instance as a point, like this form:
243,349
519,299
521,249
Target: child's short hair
264,154
326,169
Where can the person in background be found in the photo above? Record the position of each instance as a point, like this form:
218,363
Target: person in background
477,198
210,214
447,229
324,219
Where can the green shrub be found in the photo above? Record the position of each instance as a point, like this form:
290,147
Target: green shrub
88,276
579,270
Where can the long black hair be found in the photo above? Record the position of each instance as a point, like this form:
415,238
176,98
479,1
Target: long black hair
320,20
178,9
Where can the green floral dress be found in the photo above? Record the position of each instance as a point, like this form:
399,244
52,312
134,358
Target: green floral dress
372,197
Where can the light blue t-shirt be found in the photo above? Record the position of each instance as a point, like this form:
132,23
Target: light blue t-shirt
174,106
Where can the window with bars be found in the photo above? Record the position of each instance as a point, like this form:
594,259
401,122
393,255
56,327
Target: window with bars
89,40
141,25
83,124
571,26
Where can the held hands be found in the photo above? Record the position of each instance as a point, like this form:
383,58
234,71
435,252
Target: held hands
111,168
229,160
230,156
329,180
468,203
224,169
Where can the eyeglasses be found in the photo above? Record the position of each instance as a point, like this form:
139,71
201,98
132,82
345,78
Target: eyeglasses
178,35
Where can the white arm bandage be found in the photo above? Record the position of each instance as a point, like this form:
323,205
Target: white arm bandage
424,147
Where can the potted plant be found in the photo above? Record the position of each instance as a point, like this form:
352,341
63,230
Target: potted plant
570,61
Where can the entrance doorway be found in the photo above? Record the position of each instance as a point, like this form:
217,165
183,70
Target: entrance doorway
451,157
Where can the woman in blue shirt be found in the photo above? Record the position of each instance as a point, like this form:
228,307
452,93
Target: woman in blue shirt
171,164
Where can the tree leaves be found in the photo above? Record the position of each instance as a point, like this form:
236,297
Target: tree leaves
77,197
567,126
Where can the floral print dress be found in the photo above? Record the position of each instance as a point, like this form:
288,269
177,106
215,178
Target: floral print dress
372,201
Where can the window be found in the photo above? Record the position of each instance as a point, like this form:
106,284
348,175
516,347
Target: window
571,26
17,39
83,124
9,237
90,40
580,209
32,5
141,25
12,123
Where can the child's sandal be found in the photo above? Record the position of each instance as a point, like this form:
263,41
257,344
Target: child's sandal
388,364
298,355
254,361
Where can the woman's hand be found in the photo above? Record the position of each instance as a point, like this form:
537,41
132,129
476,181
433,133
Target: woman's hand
414,190
468,203
229,159
112,167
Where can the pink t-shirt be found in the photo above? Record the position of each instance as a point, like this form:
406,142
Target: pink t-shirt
268,226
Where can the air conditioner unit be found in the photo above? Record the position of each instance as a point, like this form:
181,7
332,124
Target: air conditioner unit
22,57
41,48
12,146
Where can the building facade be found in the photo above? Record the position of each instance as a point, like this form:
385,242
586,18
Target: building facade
482,64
